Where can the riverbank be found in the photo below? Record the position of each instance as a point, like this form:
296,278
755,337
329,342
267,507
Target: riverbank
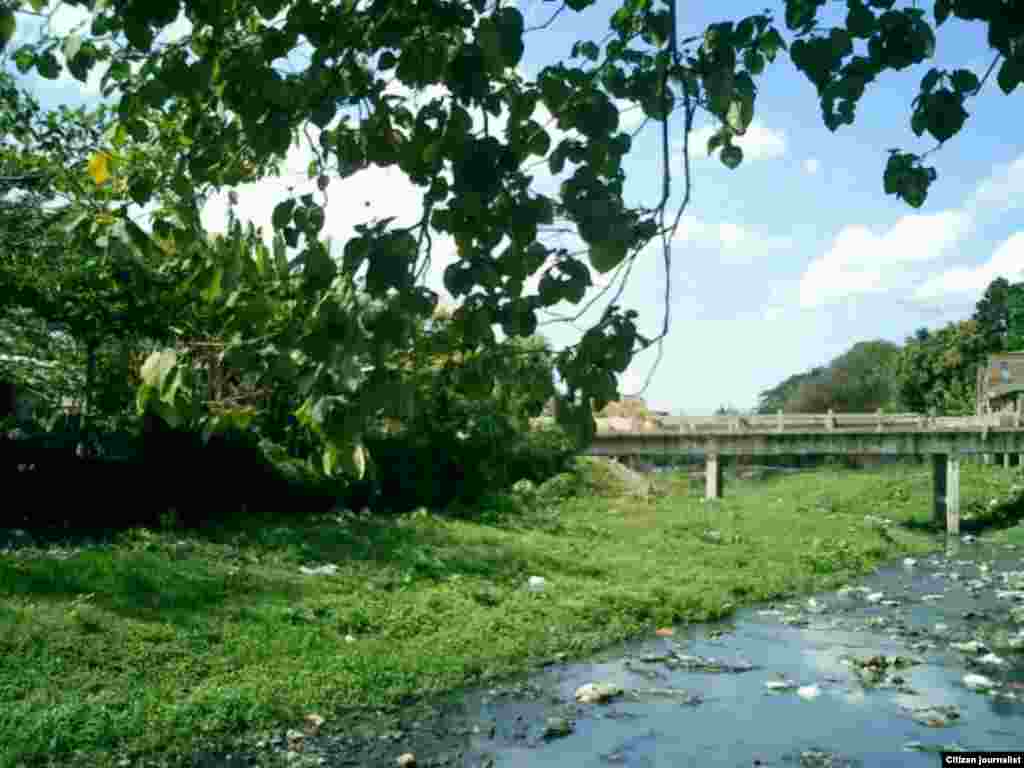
160,645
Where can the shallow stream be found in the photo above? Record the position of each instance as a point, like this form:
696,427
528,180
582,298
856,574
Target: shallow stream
917,656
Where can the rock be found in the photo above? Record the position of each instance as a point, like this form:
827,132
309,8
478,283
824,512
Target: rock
313,724
557,727
408,760
597,693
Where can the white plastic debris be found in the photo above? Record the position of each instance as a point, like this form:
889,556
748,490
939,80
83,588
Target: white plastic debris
536,584
909,562
979,682
808,692
875,597
991,660
323,570
780,685
971,646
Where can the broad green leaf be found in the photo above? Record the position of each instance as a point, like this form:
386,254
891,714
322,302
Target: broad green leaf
607,254
965,81
72,45
1011,73
48,66
8,26
157,366
719,87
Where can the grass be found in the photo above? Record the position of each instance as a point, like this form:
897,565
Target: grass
161,643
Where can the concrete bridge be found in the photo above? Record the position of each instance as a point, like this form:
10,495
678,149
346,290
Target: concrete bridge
948,440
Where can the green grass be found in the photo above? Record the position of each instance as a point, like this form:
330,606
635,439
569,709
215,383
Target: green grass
165,642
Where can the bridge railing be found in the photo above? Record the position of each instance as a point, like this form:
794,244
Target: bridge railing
802,422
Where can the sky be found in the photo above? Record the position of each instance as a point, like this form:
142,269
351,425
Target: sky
779,265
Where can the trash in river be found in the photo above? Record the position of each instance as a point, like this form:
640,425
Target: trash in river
979,682
971,646
934,717
557,727
323,570
780,685
917,746
597,693
875,597
808,692
991,660
701,664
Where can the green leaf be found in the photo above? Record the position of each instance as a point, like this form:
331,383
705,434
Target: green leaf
510,27
771,43
731,156
282,215
72,45
945,114
8,26
606,255
157,366
719,84
718,139
965,81
48,66
1011,73
860,21
930,80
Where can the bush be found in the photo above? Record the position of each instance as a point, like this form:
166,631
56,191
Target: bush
437,469
160,470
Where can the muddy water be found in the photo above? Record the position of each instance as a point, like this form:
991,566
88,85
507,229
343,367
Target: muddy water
704,696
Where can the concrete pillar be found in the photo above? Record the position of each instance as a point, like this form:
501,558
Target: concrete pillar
713,477
946,482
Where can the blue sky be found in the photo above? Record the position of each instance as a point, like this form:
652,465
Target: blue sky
787,261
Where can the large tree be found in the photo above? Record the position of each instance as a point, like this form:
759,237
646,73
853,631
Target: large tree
225,87
936,370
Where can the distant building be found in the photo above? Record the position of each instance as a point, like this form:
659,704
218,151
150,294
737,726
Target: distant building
1000,382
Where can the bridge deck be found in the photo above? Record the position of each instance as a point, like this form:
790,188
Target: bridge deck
945,438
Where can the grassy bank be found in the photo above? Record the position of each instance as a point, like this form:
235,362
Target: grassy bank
160,643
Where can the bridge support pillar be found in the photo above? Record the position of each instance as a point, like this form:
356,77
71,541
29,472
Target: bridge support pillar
713,476
946,482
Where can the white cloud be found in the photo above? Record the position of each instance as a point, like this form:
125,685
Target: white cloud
1007,261
862,262
1003,190
736,244
759,143
811,165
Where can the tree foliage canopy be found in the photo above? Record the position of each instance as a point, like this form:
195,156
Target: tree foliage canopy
223,103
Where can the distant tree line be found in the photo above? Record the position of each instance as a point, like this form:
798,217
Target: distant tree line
932,370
